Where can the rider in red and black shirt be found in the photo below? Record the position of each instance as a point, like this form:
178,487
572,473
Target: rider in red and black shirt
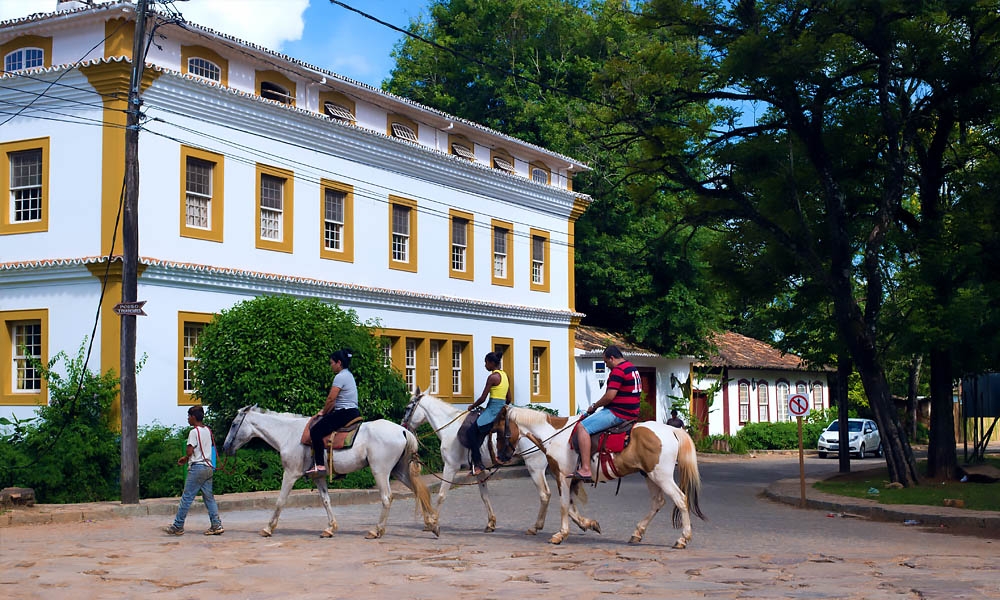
621,398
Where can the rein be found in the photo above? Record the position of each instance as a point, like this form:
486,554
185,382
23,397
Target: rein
409,413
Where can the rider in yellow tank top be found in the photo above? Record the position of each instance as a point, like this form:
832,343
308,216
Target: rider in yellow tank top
498,391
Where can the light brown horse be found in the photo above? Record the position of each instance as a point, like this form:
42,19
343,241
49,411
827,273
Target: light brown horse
653,450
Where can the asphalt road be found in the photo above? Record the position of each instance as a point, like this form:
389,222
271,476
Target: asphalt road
750,547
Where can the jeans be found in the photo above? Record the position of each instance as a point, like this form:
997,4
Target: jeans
199,477
601,420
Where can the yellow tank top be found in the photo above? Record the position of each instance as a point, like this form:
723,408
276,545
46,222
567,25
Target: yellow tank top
499,391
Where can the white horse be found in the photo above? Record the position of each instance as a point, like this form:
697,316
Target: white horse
446,419
384,446
652,451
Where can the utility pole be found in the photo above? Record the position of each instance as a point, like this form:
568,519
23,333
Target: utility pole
130,268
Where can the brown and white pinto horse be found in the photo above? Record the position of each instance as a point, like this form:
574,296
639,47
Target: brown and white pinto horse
653,450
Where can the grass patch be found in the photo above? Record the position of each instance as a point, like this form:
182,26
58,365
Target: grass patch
977,496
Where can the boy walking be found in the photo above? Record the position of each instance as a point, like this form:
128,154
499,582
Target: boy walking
199,478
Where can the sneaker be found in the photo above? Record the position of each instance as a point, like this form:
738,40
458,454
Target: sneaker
173,530
215,530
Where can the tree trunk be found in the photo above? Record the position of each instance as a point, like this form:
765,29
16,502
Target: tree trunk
911,393
844,366
942,461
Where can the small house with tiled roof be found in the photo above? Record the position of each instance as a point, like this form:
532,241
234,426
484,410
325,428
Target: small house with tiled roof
743,380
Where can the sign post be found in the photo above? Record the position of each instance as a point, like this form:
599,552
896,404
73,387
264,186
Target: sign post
798,405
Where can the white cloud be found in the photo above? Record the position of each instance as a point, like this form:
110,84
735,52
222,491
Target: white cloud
269,23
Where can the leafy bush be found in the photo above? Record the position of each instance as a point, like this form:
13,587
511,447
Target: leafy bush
713,443
779,436
274,351
68,452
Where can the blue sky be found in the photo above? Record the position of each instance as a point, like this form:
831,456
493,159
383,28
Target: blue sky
314,31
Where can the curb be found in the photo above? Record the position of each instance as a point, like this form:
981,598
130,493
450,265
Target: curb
787,491
45,514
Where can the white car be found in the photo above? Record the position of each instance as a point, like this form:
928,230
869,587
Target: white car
863,437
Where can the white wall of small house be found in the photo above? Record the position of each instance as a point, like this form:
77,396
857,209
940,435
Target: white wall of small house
755,380
590,385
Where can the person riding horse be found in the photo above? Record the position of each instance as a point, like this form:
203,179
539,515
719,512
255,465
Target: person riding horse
621,402
499,392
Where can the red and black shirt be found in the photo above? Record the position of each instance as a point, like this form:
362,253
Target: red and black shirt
625,379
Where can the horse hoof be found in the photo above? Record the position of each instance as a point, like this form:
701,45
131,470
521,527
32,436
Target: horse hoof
680,544
326,533
556,539
489,529
595,526
373,535
635,539
264,533
436,530
531,531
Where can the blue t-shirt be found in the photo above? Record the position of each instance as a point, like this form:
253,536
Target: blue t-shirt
348,395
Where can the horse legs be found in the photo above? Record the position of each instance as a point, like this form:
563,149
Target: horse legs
491,518
575,488
385,494
324,493
544,494
563,483
660,485
287,481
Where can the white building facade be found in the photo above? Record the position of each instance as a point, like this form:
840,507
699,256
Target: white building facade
260,174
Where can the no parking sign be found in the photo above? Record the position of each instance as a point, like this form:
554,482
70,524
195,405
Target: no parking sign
798,405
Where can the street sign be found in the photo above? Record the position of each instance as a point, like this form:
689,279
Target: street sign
130,308
798,405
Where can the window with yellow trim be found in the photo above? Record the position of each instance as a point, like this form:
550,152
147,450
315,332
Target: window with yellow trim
405,129
24,340
275,86
505,346
205,63
338,106
462,147
461,238
402,234
26,52
439,363
336,221
274,208
190,325
502,161
540,371
540,260
502,234
540,173
24,175
201,194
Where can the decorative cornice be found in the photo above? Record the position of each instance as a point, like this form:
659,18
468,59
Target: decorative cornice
194,98
220,279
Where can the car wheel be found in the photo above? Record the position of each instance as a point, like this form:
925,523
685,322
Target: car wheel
821,454
861,451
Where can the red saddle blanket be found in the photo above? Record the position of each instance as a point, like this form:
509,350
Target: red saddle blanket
341,439
605,442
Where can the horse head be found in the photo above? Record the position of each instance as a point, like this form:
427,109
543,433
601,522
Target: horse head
507,435
410,408
238,435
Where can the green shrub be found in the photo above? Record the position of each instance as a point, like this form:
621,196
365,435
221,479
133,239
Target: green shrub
274,351
68,452
711,444
780,436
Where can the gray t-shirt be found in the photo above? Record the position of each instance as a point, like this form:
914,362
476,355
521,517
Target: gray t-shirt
348,396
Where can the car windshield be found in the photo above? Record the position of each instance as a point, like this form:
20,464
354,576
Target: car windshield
851,426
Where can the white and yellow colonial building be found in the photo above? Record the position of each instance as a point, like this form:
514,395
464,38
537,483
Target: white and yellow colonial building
260,174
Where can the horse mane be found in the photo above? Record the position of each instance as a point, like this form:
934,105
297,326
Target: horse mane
276,413
529,416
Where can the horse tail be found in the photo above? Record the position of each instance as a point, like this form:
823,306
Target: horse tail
687,466
411,476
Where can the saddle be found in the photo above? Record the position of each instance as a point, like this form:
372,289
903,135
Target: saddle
468,429
606,444
341,439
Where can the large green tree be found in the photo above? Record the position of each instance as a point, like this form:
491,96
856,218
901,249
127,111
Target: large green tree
525,67
858,112
274,351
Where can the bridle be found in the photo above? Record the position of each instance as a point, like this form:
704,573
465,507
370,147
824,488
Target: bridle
242,417
408,414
